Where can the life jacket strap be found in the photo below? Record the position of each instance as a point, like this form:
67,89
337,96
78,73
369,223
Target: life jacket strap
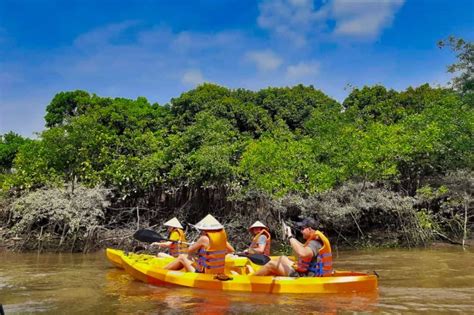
203,264
212,259
217,252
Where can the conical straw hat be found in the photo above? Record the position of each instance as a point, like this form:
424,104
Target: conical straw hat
209,223
173,223
258,224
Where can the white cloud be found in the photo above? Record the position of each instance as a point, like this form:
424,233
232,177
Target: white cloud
187,41
300,20
364,19
291,19
192,77
103,35
300,2
149,56
303,70
157,35
265,60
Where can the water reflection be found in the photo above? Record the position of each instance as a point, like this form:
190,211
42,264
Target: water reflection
179,299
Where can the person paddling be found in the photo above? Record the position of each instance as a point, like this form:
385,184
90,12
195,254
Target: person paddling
175,233
210,248
314,256
261,240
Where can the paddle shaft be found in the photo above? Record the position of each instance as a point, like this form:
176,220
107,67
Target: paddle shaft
178,242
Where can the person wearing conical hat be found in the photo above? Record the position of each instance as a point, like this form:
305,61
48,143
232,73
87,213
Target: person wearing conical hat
261,239
177,239
210,248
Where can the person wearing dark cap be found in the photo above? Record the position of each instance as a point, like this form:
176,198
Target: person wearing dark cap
314,256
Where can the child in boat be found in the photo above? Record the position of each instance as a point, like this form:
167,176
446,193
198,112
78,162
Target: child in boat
261,240
210,248
314,256
175,233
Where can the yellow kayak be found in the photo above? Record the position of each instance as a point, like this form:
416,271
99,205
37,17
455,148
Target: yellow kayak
234,263
115,257
150,271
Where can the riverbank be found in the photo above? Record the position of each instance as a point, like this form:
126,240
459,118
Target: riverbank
353,215
122,238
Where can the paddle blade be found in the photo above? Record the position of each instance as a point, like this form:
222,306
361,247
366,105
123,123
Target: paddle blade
147,236
258,259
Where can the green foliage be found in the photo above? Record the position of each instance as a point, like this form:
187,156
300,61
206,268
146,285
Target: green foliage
294,105
372,104
281,164
277,140
415,100
66,105
9,146
204,153
439,138
464,67
33,164
425,219
371,155
187,105
92,147
428,192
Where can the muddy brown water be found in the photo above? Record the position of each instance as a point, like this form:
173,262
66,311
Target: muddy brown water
412,281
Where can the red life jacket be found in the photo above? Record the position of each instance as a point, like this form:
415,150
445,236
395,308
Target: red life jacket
254,243
176,249
212,259
321,265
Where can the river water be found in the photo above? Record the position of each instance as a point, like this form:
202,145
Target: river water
427,281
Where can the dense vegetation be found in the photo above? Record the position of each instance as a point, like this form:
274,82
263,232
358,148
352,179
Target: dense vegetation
383,160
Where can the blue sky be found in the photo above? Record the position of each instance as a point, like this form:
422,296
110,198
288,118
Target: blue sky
159,49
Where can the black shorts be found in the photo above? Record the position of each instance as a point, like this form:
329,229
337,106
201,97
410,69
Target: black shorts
297,274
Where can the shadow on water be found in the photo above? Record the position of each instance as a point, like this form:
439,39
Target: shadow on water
413,281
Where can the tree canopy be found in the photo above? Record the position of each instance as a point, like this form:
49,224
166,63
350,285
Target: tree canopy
276,140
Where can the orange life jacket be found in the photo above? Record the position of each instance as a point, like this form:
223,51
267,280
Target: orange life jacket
254,243
212,259
176,249
321,265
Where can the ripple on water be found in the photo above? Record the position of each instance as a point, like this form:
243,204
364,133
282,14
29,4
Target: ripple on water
30,307
5,282
411,281
427,299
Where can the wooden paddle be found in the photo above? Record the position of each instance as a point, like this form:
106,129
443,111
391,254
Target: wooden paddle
150,236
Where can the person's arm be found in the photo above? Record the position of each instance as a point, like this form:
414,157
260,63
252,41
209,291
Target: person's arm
161,244
174,236
202,241
262,242
300,249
